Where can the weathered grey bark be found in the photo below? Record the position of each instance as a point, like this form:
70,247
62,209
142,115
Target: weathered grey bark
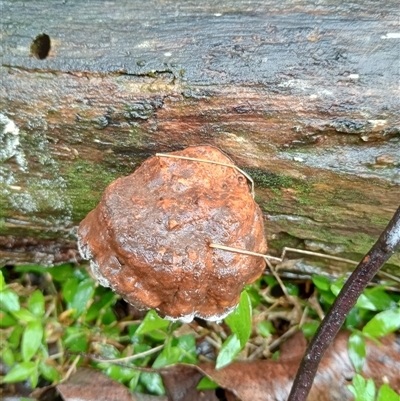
304,96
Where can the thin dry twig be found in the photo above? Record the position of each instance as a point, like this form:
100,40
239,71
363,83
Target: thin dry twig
130,357
71,369
278,279
311,253
212,162
314,303
122,365
243,252
213,342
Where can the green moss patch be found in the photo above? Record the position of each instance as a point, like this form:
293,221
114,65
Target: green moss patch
267,179
86,181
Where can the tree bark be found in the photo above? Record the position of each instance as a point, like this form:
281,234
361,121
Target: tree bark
303,96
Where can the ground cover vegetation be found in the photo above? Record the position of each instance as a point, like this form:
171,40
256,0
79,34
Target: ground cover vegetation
56,319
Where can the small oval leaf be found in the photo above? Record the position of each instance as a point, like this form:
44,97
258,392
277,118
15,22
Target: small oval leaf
239,321
321,282
383,323
2,281
153,383
386,393
9,301
31,340
168,356
230,348
83,294
151,322
357,351
20,372
49,372
24,315
36,303
363,390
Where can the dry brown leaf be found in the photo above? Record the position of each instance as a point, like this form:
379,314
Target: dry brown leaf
92,385
268,380
180,382
262,380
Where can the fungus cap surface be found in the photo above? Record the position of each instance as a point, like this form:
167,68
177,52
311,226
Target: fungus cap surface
148,238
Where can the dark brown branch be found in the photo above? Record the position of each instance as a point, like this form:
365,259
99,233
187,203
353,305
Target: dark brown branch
362,275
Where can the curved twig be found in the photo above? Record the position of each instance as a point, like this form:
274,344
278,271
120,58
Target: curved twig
354,286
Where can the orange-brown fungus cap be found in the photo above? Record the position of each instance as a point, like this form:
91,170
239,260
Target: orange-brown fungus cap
148,239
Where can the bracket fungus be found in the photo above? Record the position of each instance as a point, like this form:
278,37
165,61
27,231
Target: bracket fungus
149,237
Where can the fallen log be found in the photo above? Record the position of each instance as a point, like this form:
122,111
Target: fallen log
304,97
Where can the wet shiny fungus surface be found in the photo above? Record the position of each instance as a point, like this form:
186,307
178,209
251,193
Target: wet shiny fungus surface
148,239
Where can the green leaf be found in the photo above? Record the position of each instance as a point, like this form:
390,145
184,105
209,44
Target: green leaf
310,328
31,269
270,281
327,296
15,337
254,294
187,343
265,328
275,356
84,293
387,394
2,282
144,361
69,289
337,285
229,350
357,351
81,274
24,315
34,377
134,381
120,373
153,383
383,323
9,301
61,273
6,320
321,282
105,299
363,390
292,289
112,332
168,356
364,303
353,319
207,384
75,339
36,303
31,340
20,372
7,356
107,351
151,322
108,317
49,372
239,321
375,299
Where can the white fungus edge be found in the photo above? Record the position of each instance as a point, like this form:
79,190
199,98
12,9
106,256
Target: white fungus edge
86,253
210,318
96,272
